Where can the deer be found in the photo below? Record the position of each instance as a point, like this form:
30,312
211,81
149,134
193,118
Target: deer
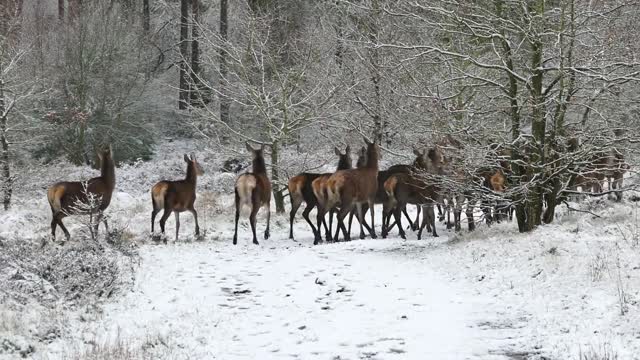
319,189
347,189
301,190
253,189
177,196
403,189
412,187
64,197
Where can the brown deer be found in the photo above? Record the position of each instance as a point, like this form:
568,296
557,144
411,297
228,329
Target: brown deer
254,190
65,197
403,189
412,187
319,190
301,190
356,187
177,196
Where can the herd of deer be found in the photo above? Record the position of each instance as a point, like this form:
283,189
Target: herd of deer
347,191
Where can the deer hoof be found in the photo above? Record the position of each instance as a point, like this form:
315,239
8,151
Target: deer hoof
435,235
266,235
403,236
256,242
362,236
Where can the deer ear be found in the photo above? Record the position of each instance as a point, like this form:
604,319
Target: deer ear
337,151
186,158
416,152
249,148
261,147
348,149
110,151
193,156
366,141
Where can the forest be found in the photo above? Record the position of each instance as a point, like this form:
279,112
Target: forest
524,114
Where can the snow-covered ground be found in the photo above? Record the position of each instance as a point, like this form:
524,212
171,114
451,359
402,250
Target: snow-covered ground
557,293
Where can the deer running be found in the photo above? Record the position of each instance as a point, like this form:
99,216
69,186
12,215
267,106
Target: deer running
64,197
253,190
177,196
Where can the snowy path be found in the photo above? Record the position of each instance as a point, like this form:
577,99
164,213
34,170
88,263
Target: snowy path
360,300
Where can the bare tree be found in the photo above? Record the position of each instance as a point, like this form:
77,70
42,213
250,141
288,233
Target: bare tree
183,97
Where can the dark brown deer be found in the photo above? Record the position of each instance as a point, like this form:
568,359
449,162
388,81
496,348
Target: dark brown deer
403,189
65,197
413,187
301,190
253,190
177,196
347,189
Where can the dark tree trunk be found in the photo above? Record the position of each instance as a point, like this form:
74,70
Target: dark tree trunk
146,16
61,10
4,155
224,28
196,98
183,100
275,178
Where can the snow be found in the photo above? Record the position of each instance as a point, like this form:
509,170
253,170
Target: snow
554,293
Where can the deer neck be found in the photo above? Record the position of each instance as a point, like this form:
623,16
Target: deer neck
108,173
343,165
192,176
259,166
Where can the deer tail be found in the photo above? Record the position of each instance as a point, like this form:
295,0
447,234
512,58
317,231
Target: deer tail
158,192
332,192
295,188
54,195
390,188
244,186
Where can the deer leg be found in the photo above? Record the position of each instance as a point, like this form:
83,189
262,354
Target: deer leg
373,223
328,230
177,215
425,218
235,233
163,220
58,218
360,219
397,214
252,220
344,210
351,214
295,205
154,213
319,222
469,213
255,207
54,224
305,215
414,225
428,212
195,218
266,232
331,214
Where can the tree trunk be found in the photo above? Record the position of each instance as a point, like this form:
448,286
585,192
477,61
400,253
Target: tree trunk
224,29
75,7
275,178
378,122
146,16
196,98
61,10
538,128
4,155
183,96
